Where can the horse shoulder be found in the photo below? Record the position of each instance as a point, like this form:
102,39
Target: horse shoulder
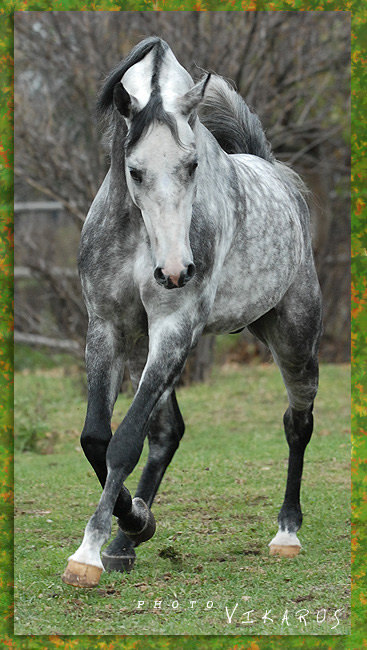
107,256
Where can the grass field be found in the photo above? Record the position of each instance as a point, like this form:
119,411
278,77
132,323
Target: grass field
216,513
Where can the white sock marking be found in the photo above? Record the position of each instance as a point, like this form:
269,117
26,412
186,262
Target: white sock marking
284,538
89,550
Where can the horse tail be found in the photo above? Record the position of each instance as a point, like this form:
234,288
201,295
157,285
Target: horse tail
238,129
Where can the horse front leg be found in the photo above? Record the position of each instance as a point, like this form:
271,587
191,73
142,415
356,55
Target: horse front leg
165,430
168,351
104,358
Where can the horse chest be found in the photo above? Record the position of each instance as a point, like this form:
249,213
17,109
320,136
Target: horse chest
110,295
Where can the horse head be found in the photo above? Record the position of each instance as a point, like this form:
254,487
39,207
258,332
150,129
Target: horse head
158,99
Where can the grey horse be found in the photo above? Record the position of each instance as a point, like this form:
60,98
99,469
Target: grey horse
196,229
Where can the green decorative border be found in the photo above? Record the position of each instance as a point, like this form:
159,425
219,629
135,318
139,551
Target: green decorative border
359,328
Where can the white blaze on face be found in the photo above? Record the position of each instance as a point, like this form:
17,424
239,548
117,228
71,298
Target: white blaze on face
165,193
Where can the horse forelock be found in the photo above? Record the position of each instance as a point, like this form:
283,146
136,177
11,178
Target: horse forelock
153,112
154,77
105,98
156,83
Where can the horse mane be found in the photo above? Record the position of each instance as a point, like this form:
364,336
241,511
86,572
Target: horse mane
105,98
227,116
222,111
238,130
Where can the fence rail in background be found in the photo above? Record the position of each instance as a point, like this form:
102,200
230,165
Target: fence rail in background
42,271
37,206
66,345
21,272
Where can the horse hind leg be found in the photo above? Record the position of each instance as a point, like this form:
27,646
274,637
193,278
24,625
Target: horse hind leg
298,427
166,428
295,352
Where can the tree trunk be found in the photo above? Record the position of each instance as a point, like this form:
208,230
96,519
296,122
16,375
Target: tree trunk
200,361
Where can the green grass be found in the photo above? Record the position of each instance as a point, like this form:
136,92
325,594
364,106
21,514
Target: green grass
27,358
216,512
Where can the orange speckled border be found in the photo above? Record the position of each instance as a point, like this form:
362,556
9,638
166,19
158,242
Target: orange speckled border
359,330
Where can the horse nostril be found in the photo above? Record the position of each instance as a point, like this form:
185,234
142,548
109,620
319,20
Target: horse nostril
159,276
186,275
191,270
171,281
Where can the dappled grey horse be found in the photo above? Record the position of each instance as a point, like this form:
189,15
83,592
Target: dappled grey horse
196,229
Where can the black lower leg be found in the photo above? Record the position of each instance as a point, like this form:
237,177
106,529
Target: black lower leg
165,432
298,426
166,428
95,439
125,447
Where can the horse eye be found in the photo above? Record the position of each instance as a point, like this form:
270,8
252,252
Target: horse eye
136,175
192,168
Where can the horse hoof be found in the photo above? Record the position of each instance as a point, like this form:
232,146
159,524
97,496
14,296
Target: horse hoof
146,533
79,574
149,527
284,551
123,562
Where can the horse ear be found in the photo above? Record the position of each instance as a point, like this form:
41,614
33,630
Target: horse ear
124,102
188,102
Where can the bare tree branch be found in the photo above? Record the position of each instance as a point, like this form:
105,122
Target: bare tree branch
48,192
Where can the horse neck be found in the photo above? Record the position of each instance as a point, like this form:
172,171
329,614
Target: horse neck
207,146
118,195
212,159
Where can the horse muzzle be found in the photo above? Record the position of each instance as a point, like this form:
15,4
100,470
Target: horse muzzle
174,279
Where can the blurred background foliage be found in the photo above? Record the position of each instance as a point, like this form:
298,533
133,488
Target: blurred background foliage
292,68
